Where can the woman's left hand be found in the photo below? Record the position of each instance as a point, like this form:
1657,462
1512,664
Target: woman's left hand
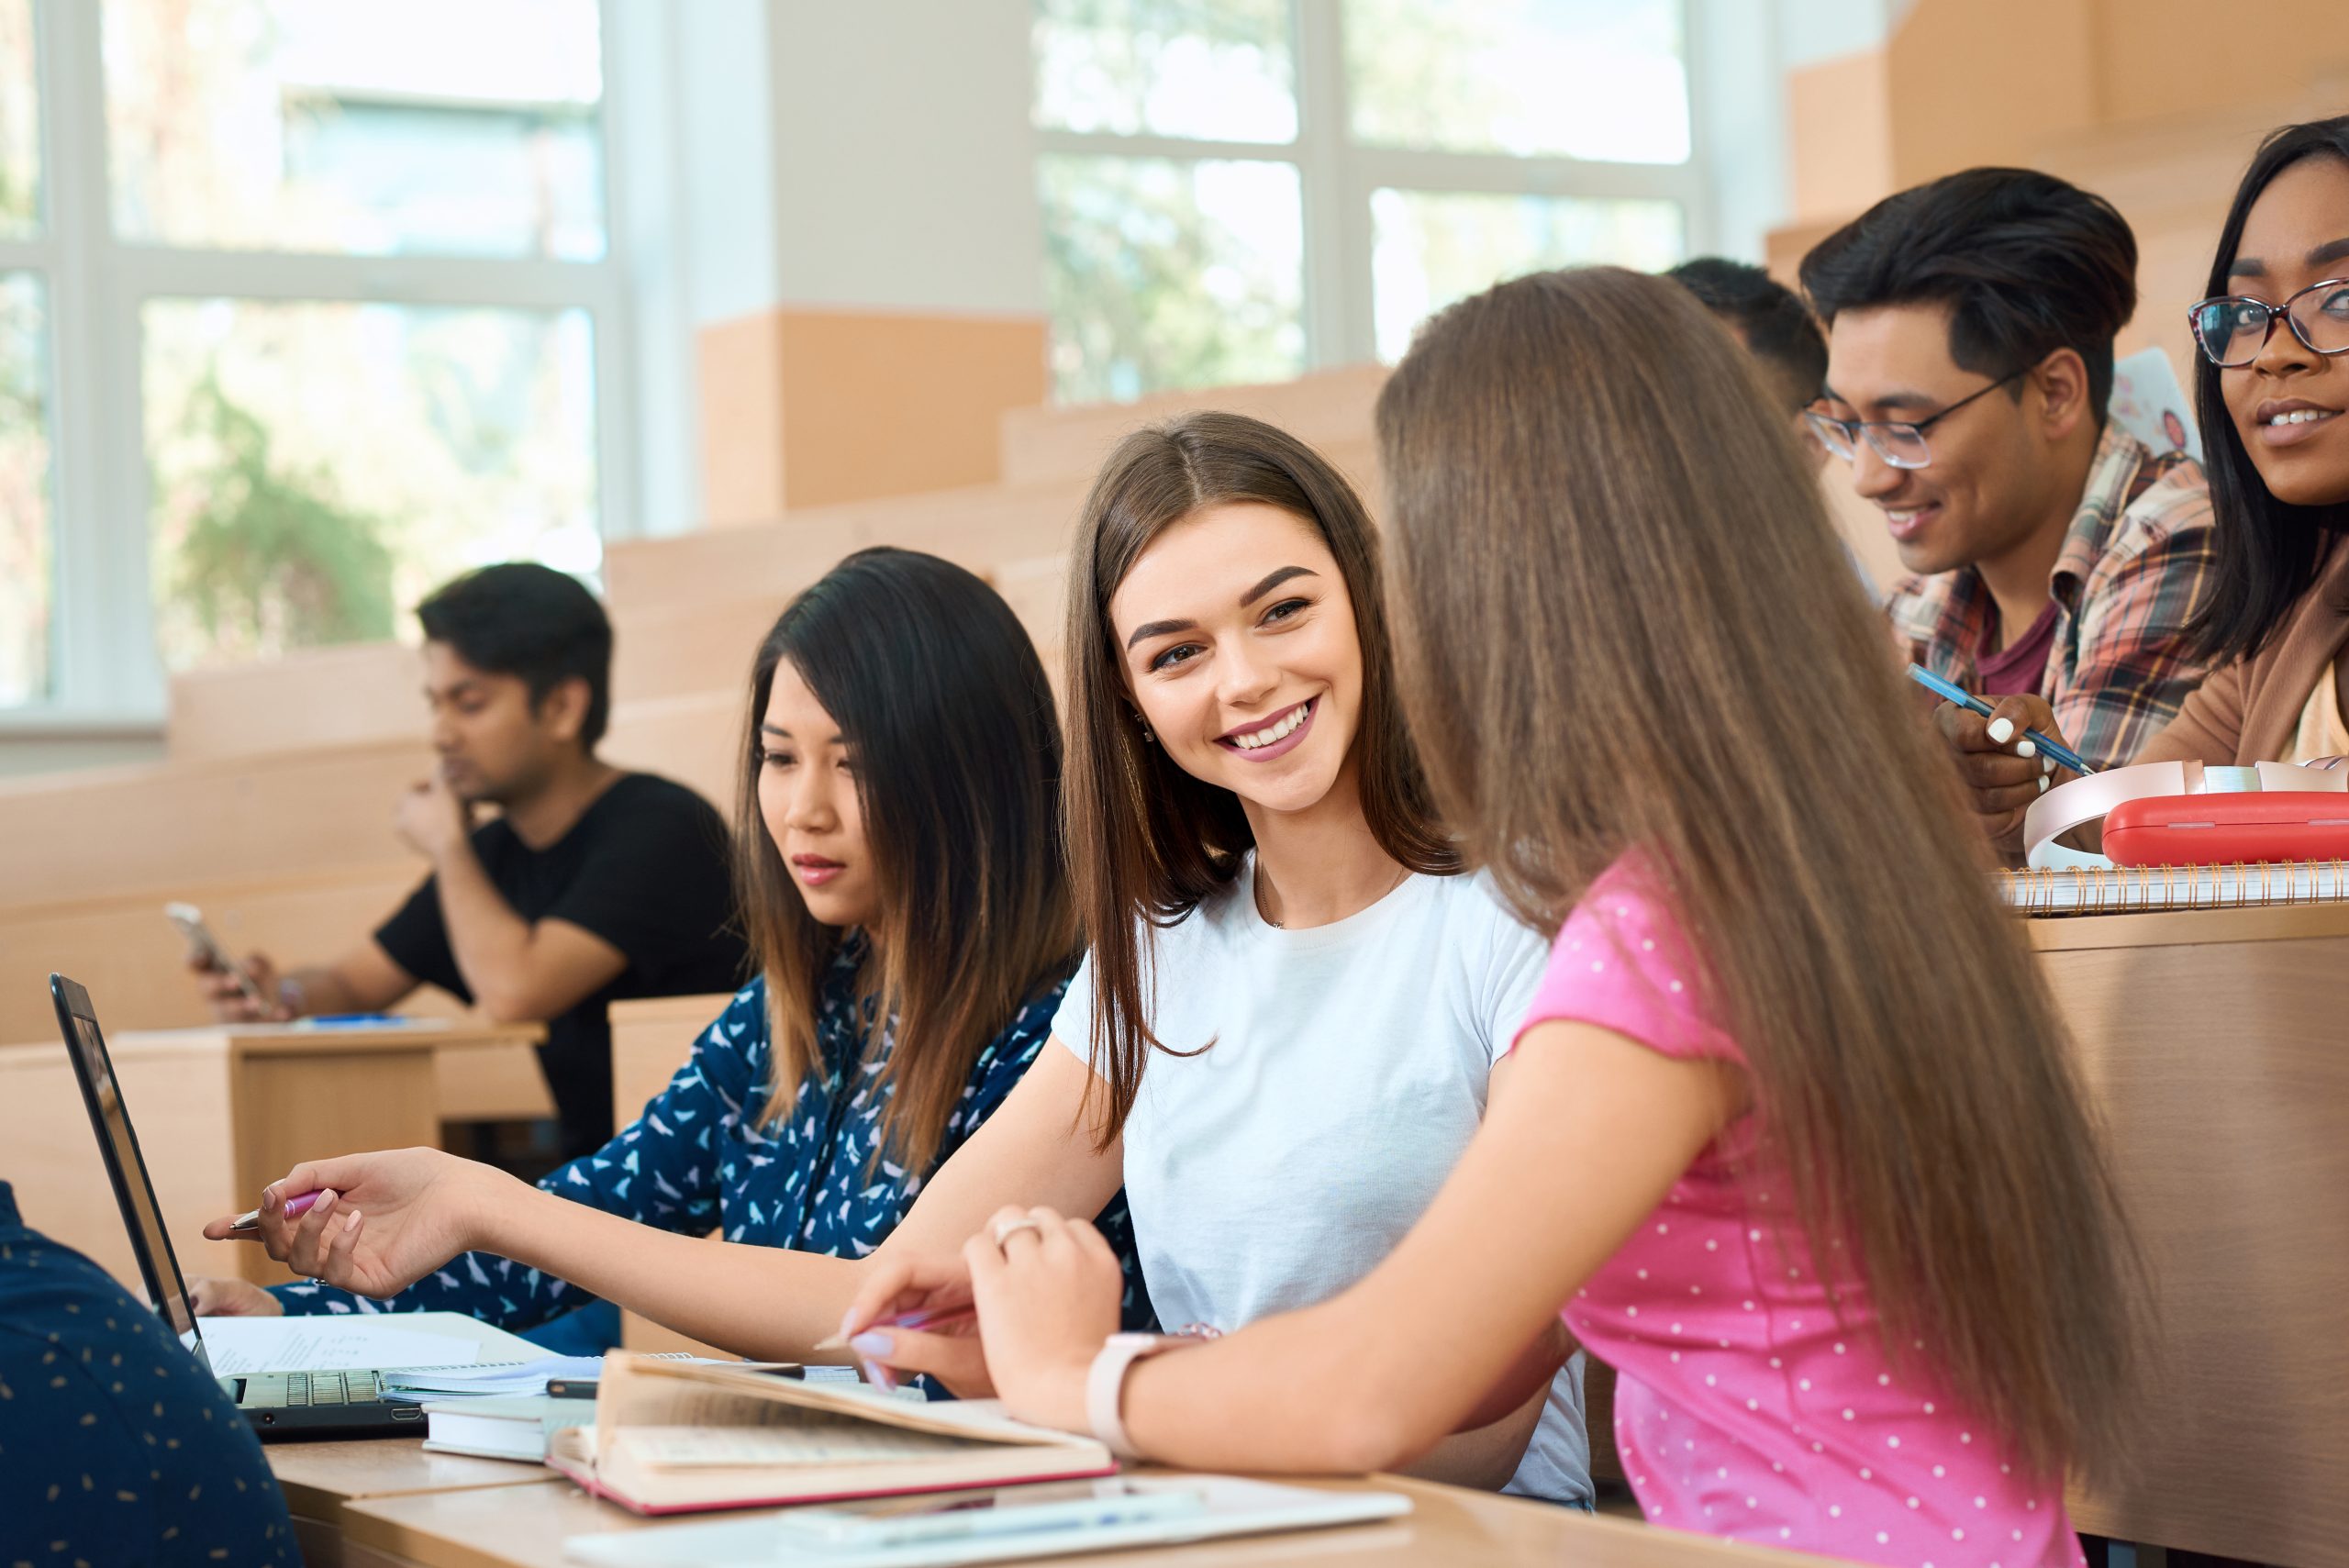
1046,1290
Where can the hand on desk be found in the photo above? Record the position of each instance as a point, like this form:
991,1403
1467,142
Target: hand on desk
384,1220
209,1296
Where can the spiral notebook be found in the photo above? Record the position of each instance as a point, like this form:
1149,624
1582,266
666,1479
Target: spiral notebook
2119,890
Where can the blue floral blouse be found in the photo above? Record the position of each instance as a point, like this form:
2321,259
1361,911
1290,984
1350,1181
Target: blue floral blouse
698,1160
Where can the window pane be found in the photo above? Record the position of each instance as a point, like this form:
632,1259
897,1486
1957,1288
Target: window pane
316,469
19,122
1600,79
1166,273
1221,70
25,574
361,130
1429,248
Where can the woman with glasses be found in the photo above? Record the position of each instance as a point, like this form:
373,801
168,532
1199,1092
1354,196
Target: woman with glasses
2271,383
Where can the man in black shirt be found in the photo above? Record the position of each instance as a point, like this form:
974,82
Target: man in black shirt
590,884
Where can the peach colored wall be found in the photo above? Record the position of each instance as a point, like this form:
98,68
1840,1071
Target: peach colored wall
2168,57
1840,140
1976,81
808,407
740,367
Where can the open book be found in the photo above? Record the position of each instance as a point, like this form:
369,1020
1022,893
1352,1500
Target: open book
674,1437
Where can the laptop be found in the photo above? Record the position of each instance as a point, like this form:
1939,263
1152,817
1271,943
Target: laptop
278,1405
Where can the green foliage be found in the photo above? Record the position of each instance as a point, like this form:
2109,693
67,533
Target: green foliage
271,561
1129,254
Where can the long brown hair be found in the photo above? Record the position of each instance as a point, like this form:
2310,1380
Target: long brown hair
944,704
1625,623
1149,841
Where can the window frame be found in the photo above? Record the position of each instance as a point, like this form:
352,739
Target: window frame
106,671
1338,175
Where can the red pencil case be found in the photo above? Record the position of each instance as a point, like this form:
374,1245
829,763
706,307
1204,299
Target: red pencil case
2225,829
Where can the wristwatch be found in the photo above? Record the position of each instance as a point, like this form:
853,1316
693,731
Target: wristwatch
1105,1385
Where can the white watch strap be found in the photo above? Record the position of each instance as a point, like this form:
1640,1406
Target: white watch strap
1105,1387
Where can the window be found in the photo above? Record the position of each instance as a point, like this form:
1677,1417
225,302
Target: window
25,547
1601,80
19,123
1237,190
1166,272
1430,247
273,529
279,125
27,579
315,311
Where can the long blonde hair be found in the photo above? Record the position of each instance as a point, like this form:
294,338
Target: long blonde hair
1623,621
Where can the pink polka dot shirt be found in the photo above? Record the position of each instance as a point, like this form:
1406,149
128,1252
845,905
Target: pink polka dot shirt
1745,1408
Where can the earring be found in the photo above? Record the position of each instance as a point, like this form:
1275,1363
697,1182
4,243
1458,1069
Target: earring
1147,737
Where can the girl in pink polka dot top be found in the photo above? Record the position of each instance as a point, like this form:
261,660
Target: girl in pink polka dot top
1790,1136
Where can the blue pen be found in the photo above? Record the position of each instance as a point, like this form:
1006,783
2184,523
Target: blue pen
1949,691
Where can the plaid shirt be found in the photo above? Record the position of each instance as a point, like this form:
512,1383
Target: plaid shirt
2135,567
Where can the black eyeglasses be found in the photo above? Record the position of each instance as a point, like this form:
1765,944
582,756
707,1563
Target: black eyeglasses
2232,328
1901,442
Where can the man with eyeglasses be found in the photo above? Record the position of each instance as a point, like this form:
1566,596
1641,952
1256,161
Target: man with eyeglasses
1970,327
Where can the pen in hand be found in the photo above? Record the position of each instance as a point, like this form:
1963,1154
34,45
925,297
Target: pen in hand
295,1207
1949,691
953,1316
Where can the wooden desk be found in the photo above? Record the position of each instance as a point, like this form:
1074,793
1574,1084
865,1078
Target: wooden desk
320,1479
1458,1529
2213,1045
220,1112
323,1481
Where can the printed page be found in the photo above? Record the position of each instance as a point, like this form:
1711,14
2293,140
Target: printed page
819,1440
240,1346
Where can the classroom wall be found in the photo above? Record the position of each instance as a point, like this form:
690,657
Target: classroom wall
845,284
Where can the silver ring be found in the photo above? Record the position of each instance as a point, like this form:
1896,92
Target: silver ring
1007,1229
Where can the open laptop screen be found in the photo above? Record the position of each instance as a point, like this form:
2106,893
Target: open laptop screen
166,1290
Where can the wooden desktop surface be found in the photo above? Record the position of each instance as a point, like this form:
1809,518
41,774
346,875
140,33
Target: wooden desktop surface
320,1479
525,1527
2212,1044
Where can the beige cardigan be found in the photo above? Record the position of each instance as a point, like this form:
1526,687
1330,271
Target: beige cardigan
2249,711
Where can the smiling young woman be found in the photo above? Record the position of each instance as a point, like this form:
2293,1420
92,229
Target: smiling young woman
2271,380
1287,1027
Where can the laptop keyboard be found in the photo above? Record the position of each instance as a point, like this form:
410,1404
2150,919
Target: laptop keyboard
331,1388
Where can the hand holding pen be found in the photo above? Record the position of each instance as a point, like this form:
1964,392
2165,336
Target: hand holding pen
2008,751
2038,740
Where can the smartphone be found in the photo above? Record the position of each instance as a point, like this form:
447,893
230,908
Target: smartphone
202,944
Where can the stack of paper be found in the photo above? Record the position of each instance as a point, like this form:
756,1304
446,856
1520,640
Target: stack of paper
512,1426
416,1385
238,1347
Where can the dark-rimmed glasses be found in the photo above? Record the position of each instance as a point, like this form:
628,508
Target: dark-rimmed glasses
2232,329
1901,442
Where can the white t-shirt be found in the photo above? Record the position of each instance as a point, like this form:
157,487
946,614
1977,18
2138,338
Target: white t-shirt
1348,1073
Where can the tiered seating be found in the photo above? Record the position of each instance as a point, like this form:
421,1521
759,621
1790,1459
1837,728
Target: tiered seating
273,810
